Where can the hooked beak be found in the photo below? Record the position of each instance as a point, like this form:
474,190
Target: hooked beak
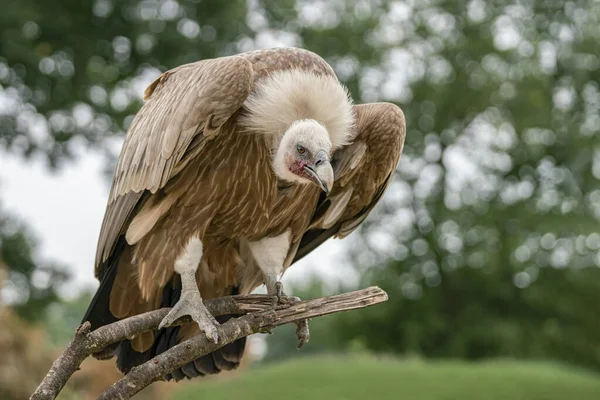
321,173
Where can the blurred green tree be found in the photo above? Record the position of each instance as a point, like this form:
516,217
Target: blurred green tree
488,244
28,285
70,72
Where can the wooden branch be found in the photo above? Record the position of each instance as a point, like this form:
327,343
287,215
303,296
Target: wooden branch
260,316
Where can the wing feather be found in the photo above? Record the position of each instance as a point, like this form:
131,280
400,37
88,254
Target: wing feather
363,170
180,105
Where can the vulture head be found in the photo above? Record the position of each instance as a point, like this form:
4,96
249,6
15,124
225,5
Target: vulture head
303,155
308,117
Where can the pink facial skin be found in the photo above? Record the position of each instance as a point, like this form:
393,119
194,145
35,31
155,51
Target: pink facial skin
297,167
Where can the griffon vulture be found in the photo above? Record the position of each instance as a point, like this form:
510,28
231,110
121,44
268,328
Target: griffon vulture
233,168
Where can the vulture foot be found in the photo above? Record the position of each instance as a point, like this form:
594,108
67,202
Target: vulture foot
191,304
302,330
279,297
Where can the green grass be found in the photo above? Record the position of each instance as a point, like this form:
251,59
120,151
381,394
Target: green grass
363,378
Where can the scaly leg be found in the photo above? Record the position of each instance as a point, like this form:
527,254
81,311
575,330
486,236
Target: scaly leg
190,302
270,254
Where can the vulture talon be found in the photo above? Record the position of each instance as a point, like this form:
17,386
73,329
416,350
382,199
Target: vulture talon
191,304
280,298
302,332
268,330
302,329
279,290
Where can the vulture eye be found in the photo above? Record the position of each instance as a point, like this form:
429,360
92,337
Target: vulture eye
301,150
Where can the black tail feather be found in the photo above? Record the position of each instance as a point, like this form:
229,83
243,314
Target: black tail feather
98,313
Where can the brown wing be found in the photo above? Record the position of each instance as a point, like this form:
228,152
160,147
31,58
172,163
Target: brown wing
184,106
363,171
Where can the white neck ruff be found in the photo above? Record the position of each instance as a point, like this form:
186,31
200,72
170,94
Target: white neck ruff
287,96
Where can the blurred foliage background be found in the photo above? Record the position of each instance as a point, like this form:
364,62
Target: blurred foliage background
487,242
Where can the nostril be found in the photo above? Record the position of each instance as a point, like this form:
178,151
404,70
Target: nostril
319,162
